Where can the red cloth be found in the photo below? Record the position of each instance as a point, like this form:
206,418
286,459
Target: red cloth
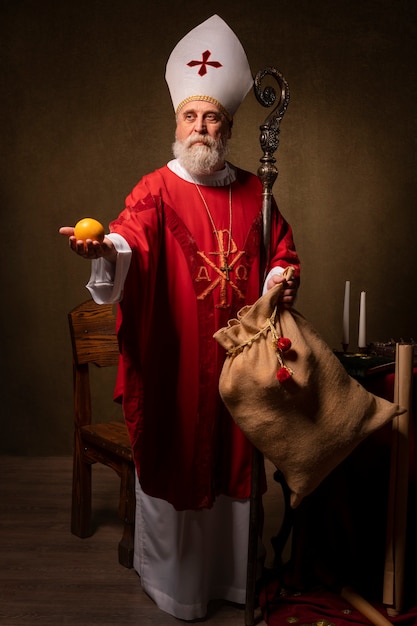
187,449
281,608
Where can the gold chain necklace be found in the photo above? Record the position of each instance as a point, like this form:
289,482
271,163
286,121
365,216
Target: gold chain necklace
215,231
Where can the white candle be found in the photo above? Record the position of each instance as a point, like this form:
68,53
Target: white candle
362,321
346,306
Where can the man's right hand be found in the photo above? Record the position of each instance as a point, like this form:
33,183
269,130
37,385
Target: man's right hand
90,249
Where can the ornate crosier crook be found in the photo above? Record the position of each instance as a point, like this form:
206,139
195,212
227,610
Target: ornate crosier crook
269,140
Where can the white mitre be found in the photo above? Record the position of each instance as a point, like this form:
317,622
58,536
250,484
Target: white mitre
209,64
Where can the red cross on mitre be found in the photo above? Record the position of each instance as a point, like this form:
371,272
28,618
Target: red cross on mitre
204,62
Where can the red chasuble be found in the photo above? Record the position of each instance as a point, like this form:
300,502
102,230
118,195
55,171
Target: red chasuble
183,284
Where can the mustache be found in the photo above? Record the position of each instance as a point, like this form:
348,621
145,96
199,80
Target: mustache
204,139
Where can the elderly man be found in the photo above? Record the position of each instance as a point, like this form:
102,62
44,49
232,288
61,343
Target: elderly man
181,259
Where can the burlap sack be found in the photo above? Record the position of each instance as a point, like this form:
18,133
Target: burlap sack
311,420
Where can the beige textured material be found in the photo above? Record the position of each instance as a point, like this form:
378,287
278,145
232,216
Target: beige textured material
309,423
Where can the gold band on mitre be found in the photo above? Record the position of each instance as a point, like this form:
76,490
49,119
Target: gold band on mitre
205,99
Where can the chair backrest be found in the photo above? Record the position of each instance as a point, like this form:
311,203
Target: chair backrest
94,342
93,334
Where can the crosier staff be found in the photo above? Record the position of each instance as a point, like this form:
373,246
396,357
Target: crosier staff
267,172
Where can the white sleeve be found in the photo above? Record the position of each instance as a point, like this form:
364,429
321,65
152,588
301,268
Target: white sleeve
107,279
275,270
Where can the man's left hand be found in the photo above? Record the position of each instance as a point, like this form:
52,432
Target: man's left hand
289,294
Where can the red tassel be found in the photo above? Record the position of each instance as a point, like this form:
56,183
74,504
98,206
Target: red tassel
284,344
283,374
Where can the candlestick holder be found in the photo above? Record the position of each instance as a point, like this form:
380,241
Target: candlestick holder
345,347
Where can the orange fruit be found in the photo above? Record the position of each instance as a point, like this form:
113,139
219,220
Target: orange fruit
89,228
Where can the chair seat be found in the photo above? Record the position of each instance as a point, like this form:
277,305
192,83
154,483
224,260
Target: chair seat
112,437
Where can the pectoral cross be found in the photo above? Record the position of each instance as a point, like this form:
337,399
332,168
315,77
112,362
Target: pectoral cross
226,269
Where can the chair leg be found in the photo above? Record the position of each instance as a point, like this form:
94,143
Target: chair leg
81,493
127,512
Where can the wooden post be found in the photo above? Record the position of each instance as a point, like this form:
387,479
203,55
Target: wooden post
395,548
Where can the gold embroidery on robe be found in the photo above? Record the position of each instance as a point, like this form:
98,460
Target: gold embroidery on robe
222,269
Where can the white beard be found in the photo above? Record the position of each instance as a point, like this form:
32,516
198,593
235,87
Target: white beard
200,159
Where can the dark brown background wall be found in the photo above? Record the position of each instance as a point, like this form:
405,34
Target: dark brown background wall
85,112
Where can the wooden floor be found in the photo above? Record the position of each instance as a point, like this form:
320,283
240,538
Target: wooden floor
50,577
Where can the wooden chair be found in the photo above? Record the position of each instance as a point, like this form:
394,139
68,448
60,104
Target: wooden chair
94,342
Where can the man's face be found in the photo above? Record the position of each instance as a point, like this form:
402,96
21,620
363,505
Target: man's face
201,137
201,118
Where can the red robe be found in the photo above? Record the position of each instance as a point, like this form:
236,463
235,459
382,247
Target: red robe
187,448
